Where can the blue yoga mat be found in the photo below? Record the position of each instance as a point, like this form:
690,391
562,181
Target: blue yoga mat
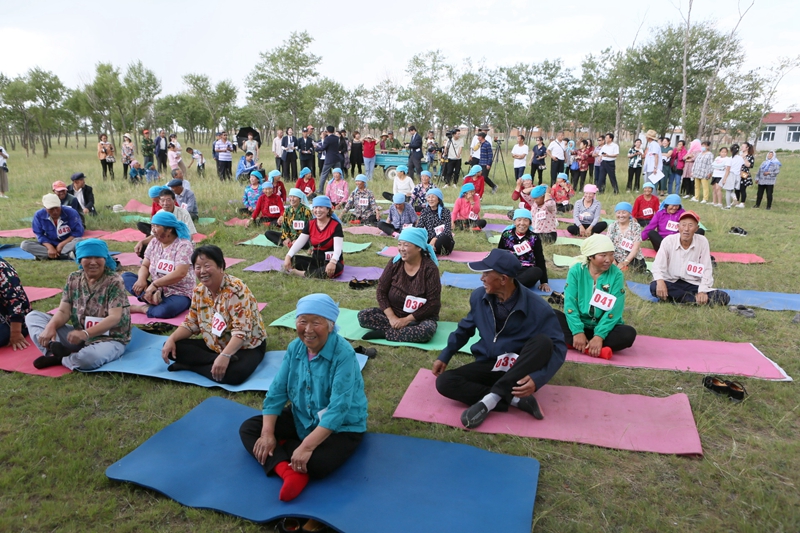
391,484
771,301
473,281
10,251
142,357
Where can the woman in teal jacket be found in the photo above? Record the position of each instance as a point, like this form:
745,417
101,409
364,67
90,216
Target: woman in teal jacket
327,419
594,298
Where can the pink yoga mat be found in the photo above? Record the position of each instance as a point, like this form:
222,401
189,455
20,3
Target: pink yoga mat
495,216
199,237
566,220
572,414
720,257
135,206
237,222
131,259
563,233
23,233
455,255
702,357
40,293
134,235
365,230
22,361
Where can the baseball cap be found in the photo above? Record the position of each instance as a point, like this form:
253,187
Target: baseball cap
59,186
690,214
501,261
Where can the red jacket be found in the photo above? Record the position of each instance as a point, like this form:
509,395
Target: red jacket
264,207
641,204
306,183
155,207
479,183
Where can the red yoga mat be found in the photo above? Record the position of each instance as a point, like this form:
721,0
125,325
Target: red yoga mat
237,222
719,257
40,293
131,259
22,361
135,206
23,233
572,414
365,230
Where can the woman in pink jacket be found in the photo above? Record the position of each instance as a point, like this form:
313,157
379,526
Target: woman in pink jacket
467,210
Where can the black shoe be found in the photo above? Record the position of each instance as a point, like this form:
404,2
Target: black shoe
58,349
46,361
530,406
369,352
716,385
742,310
736,391
475,415
359,284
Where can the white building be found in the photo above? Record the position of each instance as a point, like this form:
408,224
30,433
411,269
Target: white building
780,131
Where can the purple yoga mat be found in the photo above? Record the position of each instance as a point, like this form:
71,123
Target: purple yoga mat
572,414
499,228
272,263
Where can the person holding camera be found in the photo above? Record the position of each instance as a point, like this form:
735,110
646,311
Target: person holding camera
452,157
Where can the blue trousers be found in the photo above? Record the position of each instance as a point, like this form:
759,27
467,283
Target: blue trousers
674,184
170,306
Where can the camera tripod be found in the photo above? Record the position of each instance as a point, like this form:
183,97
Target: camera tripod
498,156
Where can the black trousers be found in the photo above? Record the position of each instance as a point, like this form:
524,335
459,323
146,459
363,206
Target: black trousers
309,164
556,167
327,457
619,338
561,208
313,268
741,192
655,238
275,237
161,158
530,276
290,167
107,168
452,171
278,164
414,164
387,228
600,227
607,168
486,177
536,171
444,244
760,195
684,292
634,177
580,181
194,355
468,384
548,237
224,170
687,186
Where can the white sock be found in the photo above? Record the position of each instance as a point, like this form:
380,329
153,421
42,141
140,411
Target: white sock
491,400
514,401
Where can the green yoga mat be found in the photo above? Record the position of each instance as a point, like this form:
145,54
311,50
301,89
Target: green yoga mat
568,241
347,247
494,239
350,330
205,221
497,207
134,218
567,261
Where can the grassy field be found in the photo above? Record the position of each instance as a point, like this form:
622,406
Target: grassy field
57,436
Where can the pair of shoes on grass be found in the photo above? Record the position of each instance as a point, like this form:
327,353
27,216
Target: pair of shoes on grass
732,389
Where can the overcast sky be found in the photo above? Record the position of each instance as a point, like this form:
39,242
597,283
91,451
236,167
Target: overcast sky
359,42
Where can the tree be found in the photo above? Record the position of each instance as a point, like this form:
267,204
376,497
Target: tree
284,77
219,101
420,98
101,94
383,100
141,87
19,96
49,94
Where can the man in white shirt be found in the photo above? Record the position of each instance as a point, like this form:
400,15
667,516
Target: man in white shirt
557,154
452,168
520,155
277,150
608,165
682,271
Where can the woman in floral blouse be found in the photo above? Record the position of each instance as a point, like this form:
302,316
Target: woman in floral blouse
527,246
295,220
127,153
421,191
225,313
14,306
626,234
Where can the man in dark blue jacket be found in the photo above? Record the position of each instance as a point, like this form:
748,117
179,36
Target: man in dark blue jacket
521,345
414,153
330,146
57,228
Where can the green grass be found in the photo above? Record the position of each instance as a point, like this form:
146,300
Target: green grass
57,436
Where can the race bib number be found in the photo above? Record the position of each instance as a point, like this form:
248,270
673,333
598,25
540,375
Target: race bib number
565,202
165,267
505,362
218,325
413,303
363,202
438,229
603,300
472,216
541,215
298,224
274,210
307,190
626,244
647,211
328,256
408,226
694,269
63,230
184,205
91,321
672,226
522,248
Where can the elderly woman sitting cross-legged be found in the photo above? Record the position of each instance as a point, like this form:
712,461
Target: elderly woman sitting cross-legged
95,302
326,418
409,293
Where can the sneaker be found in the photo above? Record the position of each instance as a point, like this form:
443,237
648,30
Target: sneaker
702,201
494,189
627,191
445,186
740,206
727,207
694,199
475,415
686,196
529,405
742,310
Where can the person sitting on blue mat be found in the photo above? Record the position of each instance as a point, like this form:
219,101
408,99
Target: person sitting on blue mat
167,262
94,301
409,293
520,346
682,271
327,417
594,299
57,228
527,246
401,216
14,307
225,313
